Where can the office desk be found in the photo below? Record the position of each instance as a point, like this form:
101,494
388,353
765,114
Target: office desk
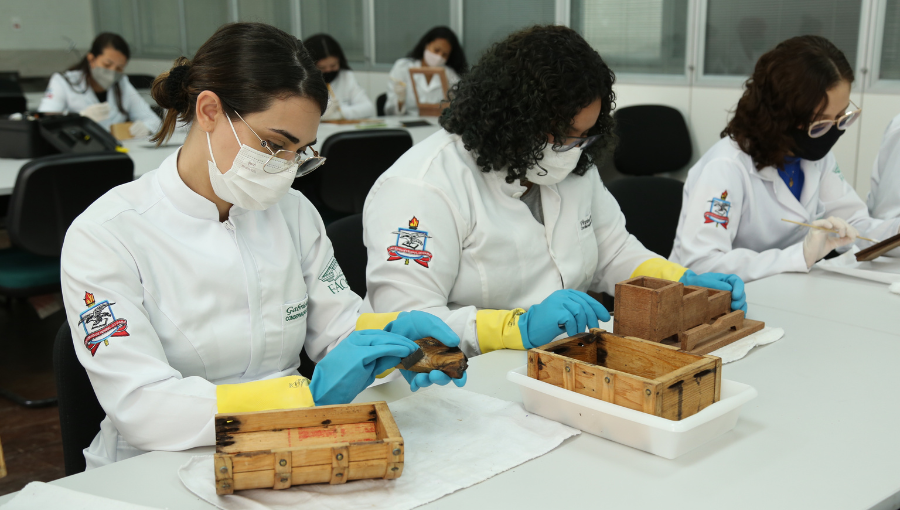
147,157
822,433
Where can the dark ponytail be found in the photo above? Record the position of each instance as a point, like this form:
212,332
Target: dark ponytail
248,65
101,42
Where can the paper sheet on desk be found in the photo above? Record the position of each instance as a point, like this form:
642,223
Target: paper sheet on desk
41,496
740,348
882,269
453,439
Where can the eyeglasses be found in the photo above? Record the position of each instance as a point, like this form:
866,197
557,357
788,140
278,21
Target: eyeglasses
274,165
819,128
570,142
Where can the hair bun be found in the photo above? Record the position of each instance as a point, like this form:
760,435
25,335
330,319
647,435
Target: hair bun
176,87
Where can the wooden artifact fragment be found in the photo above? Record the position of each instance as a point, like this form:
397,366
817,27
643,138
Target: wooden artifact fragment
2,463
646,376
326,444
436,356
697,319
121,131
878,249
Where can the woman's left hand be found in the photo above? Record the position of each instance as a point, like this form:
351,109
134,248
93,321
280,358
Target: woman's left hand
415,325
720,281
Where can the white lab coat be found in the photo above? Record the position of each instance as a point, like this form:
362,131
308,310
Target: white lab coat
742,233
62,96
351,99
485,249
429,91
205,303
884,196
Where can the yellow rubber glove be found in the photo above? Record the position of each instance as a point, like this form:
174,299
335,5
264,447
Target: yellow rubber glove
660,268
282,393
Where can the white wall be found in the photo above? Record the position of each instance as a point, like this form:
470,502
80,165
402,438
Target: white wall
46,24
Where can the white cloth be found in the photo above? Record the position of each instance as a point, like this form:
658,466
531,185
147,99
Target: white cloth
884,270
739,349
895,288
486,249
884,196
452,439
62,96
204,303
724,188
429,92
41,496
352,99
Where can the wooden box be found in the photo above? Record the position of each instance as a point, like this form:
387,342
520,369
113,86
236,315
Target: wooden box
697,319
638,374
326,444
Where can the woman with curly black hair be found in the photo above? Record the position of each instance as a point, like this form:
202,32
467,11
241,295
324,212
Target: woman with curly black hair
503,211
439,47
774,161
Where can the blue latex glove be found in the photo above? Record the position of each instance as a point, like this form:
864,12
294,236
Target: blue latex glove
566,309
719,281
352,366
415,325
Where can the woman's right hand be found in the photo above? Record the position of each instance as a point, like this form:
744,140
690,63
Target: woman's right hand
352,366
819,243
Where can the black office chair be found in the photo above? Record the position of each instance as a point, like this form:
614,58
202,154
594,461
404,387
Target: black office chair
652,139
50,192
12,98
346,235
141,81
355,160
651,206
80,413
380,101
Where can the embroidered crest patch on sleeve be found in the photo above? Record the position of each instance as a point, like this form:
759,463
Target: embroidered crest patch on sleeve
410,245
100,323
333,277
718,211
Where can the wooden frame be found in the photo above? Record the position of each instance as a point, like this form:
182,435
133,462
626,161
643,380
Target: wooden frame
878,249
697,319
2,463
638,374
326,444
430,109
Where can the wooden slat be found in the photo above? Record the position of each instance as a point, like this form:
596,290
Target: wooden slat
283,466
691,392
2,463
721,334
294,418
608,381
340,463
719,303
696,307
312,474
582,347
224,474
395,455
306,475
878,249
729,322
366,469
641,357
305,436
386,428
307,456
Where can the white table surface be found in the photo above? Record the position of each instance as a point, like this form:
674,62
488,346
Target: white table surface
821,434
147,157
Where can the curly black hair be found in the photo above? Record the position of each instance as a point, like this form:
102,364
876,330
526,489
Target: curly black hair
525,87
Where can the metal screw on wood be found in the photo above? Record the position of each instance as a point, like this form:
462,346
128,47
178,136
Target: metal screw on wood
284,479
395,468
339,475
282,462
396,451
226,486
340,456
606,379
567,368
647,392
223,469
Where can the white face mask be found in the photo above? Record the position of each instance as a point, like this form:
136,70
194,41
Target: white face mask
104,77
246,184
433,59
555,166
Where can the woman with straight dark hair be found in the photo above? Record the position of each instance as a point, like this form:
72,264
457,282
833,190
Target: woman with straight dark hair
346,99
96,88
774,162
439,47
192,290
503,211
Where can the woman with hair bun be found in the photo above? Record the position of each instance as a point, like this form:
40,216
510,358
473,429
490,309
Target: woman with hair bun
192,290
96,87
774,161
503,212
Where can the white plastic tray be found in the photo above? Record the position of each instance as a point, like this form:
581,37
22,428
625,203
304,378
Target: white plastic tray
643,431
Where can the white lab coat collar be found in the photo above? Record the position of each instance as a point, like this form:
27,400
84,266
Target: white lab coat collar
804,207
184,198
